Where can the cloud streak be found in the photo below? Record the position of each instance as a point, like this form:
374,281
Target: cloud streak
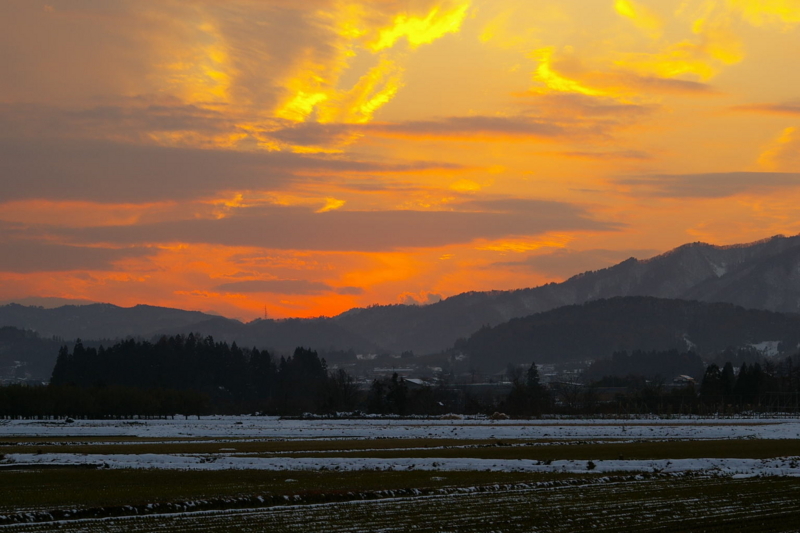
787,109
284,286
298,228
26,256
102,171
710,185
562,263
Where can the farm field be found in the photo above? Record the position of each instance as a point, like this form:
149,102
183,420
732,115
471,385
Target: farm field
251,473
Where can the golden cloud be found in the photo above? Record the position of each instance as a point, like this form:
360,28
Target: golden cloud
642,17
783,153
422,30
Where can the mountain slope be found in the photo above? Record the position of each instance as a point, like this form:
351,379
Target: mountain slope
98,321
280,336
105,321
760,275
598,328
25,355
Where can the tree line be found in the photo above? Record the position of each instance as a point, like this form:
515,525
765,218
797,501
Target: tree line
194,375
773,385
229,378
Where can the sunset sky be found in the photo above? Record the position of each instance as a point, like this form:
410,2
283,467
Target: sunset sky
312,156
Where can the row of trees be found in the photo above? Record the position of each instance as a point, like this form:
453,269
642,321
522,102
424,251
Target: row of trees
233,379
528,396
193,375
772,385
650,364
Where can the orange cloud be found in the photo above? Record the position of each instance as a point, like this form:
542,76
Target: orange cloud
440,21
765,12
310,157
314,90
788,109
642,17
783,153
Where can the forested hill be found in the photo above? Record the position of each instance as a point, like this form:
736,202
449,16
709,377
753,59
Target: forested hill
759,275
597,329
281,336
99,321
110,322
24,355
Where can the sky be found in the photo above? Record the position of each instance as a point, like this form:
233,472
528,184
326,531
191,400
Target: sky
300,158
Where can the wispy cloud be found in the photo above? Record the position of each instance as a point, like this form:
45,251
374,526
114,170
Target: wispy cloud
710,185
284,286
28,255
786,109
563,262
343,230
103,171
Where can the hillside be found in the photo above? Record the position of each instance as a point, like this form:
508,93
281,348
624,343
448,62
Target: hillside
279,336
98,321
596,329
760,275
24,355
109,322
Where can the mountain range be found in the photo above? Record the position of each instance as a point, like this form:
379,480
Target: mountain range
761,275
596,329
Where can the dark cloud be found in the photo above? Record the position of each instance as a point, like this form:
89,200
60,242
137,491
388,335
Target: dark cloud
275,286
314,133
564,263
466,127
550,116
349,291
790,109
286,286
299,228
132,119
35,256
74,49
712,185
621,154
104,171
568,108
668,85
69,50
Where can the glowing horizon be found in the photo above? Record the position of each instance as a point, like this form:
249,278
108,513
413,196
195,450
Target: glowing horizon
228,157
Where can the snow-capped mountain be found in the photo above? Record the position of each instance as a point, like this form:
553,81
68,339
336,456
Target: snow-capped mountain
759,275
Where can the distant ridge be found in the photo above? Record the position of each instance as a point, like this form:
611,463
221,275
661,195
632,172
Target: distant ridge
110,322
596,329
761,275
48,302
98,321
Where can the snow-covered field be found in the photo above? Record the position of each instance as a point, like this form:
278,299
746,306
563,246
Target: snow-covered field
783,466
700,471
272,428
250,429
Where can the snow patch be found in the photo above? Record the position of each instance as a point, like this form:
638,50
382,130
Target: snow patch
767,348
223,428
779,466
689,344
